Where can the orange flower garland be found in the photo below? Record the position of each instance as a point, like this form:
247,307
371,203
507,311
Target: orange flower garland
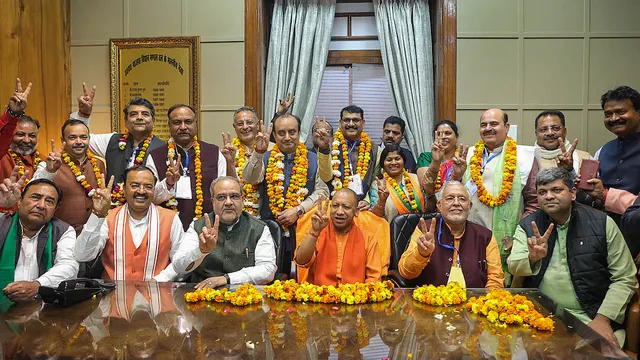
245,294
508,173
503,308
171,154
451,294
251,203
364,158
410,202
274,178
17,160
117,195
80,178
358,293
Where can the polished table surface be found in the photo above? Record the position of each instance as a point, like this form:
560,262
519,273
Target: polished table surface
150,320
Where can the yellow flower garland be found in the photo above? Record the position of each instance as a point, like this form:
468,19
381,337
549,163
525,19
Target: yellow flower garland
503,308
245,294
274,179
364,158
80,178
508,173
358,293
251,191
171,154
117,194
17,160
451,294
407,182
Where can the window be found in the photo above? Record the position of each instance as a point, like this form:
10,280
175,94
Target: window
364,85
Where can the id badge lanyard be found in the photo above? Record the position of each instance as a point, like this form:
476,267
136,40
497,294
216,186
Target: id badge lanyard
486,160
349,156
447,246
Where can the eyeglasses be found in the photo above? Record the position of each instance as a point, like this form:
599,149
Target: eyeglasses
452,199
554,128
223,197
355,121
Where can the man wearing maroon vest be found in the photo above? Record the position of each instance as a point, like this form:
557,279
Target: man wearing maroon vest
186,166
452,248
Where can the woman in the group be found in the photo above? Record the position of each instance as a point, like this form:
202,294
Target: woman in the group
445,161
395,191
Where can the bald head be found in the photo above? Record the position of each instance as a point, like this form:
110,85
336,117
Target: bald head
349,194
494,126
344,208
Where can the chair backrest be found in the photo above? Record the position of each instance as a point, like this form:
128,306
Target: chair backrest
276,233
402,226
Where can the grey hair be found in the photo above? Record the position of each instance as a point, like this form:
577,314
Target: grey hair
455,182
548,175
221,178
246,108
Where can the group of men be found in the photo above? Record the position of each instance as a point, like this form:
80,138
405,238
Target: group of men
134,207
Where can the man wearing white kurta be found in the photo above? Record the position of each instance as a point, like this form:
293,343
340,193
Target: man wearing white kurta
521,200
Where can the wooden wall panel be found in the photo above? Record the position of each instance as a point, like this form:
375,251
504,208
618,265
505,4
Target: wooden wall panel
35,46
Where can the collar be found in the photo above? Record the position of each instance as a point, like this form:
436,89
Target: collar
456,237
230,227
34,236
494,151
137,222
183,149
289,157
552,154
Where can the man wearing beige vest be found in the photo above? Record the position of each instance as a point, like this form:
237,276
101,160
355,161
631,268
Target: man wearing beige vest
555,149
138,240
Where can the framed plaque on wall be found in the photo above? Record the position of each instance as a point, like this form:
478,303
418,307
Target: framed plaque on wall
163,70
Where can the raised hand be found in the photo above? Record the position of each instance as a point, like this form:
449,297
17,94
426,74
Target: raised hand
85,101
437,152
319,219
102,197
173,170
426,241
11,188
321,135
538,244
228,150
209,235
363,205
18,101
598,189
383,192
285,104
54,159
459,162
262,138
565,159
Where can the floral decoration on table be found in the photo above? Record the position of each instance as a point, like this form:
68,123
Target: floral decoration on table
244,295
251,203
223,309
508,173
451,294
358,293
503,308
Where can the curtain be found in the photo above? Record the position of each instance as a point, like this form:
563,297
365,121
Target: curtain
404,31
298,48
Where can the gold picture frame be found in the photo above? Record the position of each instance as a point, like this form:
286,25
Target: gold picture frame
164,70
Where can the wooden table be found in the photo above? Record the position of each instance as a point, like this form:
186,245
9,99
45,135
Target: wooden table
140,320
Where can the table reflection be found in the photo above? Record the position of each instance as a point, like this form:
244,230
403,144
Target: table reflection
149,320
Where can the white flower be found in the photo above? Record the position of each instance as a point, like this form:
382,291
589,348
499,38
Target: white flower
337,173
303,191
286,233
91,193
80,177
335,162
335,152
281,177
255,205
122,144
173,202
335,143
250,345
280,188
280,165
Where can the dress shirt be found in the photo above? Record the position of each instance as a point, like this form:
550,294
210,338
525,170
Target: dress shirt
163,193
253,173
94,237
262,272
64,265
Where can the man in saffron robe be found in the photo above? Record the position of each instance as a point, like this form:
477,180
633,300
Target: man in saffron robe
138,240
330,242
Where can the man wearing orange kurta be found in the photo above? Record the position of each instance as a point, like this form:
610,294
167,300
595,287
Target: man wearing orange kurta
138,241
325,248
455,249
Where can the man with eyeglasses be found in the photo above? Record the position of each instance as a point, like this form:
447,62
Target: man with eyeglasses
243,250
351,160
452,248
555,149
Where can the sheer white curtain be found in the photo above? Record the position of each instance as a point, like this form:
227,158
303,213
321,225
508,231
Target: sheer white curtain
404,31
298,48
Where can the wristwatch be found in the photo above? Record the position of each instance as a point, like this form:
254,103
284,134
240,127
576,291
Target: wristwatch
226,276
300,211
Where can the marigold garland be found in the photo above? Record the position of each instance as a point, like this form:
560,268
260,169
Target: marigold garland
117,193
197,171
439,181
508,173
451,294
358,293
17,160
364,158
503,308
80,178
251,203
411,203
274,178
245,294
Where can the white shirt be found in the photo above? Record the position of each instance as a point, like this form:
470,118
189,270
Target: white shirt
64,267
95,233
163,193
263,271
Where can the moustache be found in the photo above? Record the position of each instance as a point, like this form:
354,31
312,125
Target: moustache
351,128
141,196
80,146
616,123
550,137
